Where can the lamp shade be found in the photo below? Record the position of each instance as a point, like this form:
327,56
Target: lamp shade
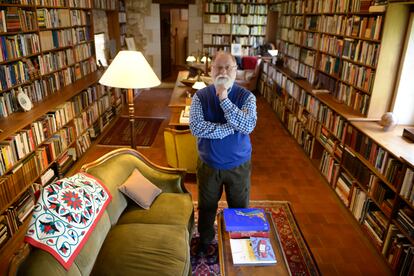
204,59
199,85
191,59
129,70
273,52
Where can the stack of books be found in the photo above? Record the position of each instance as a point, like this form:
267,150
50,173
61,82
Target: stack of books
248,229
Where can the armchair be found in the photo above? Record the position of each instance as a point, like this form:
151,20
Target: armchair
181,149
248,75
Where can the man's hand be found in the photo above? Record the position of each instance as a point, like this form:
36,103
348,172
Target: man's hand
221,92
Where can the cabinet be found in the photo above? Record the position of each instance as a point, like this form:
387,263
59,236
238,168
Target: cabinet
46,53
369,169
226,22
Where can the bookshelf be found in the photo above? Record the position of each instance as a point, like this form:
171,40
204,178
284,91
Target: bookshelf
227,22
46,53
369,169
334,46
116,16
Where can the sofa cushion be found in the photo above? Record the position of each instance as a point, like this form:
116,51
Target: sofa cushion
140,189
144,249
167,208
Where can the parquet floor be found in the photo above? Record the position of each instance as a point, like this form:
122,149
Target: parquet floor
281,171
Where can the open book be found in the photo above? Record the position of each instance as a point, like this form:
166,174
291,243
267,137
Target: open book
252,251
185,115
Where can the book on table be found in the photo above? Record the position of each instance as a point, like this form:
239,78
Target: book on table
245,220
252,251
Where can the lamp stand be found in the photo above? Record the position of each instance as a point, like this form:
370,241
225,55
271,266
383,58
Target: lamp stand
131,115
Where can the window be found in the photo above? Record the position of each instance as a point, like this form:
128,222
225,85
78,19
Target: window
100,49
404,99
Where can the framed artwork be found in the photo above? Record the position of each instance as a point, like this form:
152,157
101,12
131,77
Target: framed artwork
130,42
236,49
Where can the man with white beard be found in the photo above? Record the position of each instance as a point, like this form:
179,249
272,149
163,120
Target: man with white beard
222,116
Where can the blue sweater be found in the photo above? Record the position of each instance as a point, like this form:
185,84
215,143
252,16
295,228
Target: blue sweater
232,150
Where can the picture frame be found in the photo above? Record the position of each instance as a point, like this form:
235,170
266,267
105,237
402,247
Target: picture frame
24,101
236,49
130,42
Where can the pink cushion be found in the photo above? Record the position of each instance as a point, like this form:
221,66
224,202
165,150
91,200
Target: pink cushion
140,189
249,62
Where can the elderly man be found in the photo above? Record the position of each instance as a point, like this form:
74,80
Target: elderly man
222,116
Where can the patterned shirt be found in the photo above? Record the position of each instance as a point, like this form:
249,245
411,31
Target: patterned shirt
242,120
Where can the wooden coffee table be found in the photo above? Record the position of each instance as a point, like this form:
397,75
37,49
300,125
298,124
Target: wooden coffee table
226,262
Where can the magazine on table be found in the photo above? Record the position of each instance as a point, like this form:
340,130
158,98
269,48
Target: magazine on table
252,251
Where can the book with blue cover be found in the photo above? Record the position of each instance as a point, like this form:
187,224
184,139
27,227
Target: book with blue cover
245,219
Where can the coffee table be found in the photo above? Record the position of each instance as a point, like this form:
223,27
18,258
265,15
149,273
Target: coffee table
226,262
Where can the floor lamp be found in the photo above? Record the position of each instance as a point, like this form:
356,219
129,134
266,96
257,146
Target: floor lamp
130,70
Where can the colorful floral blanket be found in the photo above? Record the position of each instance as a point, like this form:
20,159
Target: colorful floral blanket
65,215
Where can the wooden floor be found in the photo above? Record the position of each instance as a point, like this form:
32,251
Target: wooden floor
281,171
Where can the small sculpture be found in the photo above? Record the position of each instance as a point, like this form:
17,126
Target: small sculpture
388,121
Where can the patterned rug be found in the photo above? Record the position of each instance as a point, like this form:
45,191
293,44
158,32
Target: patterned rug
145,130
298,255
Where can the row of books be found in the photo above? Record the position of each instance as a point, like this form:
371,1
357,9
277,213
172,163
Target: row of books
399,252
13,74
249,19
216,39
386,164
14,216
248,230
20,45
53,18
55,60
102,4
17,180
407,186
248,30
83,51
13,19
350,96
329,167
359,76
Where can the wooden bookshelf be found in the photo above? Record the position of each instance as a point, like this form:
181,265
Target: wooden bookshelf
227,22
368,168
54,66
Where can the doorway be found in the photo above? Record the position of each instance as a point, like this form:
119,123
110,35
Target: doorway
174,39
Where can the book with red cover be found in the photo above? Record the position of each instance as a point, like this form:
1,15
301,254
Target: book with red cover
248,234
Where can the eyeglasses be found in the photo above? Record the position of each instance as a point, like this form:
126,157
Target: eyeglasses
227,67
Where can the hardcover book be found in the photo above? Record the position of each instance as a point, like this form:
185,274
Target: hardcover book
245,219
252,251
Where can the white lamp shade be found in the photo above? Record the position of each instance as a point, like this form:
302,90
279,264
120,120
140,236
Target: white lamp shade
203,59
130,70
190,59
273,52
198,85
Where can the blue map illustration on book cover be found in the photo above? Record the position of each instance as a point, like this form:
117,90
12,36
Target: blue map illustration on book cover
263,250
245,219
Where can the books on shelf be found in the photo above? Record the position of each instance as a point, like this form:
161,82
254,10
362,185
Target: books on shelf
245,219
252,251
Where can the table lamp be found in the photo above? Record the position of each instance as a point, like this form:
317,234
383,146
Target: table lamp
130,70
191,59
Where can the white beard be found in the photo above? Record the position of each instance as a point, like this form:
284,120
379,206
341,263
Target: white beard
223,80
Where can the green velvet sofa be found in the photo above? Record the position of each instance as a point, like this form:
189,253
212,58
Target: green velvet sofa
129,240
